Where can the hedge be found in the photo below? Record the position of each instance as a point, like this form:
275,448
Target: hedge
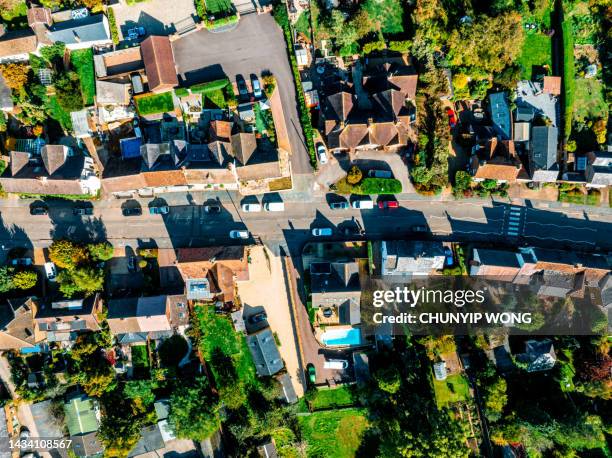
215,85
568,75
369,186
112,24
217,23
282,19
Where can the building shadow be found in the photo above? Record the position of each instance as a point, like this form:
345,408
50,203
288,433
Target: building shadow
209,73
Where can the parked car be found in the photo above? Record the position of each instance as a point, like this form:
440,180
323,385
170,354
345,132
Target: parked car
161,210
82,211
21,262
321,153
322,232
239,234
312,373
274,206
50,271
343,205
132,211
257,318
243,91
38,209
131,264
250,208
363,204
212,209
388,204
448,256
452,119
380,174
337,364
256,87
419,228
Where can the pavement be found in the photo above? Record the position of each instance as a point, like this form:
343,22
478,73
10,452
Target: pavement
255,46
154,15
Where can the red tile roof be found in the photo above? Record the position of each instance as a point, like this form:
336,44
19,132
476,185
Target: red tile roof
159,62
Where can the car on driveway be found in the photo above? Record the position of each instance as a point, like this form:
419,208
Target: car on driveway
212,209
50,271
243,91
383,204
82,211
250,208
452,119
321,153
38,209
256,85
311,372
322,232
343,205
132,211
161,210
239,234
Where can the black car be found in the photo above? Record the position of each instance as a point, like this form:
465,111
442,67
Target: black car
39,209
257,318
243,91
132,211
212,209
82,211
343,205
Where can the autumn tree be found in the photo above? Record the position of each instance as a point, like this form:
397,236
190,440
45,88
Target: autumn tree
88,279
25,279
354,175
66,254
15,75
102,251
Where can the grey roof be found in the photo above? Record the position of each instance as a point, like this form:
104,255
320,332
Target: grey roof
46,424
587,260
289,395
80,125
599,170
500,258
6,99
111,92
152,152
500,114
524,113
539,355
198,288
337,285
91,28
266,356
162,409
86,444
406,258
150,440
543,153
4,453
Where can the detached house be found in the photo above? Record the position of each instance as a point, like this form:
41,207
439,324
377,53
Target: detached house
410,258
497,161
57,170
539,355
543,165
336,292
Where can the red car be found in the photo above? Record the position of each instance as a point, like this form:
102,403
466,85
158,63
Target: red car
388,204
452,119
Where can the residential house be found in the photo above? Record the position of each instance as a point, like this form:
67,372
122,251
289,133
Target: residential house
63,321
496,263
375,113
159,64
82,417
118,63
336,292
211,273
150,441
500,115
113,100
543,165
87,32
497,161
265,353
599,169
16,46
403,258
532,101
57,170
17,329
137,319
539,355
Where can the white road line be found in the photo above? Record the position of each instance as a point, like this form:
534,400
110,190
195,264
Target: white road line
558,240
563,227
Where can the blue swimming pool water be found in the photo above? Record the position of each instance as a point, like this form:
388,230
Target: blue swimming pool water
341,337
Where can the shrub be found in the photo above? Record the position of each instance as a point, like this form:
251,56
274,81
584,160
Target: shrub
373,46
400,46
100,251
66,254
25,279
354,175
112,24
200,8
68,91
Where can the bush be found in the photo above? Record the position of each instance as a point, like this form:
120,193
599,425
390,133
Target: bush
200,8
380,186
400,46
68,91
100,251
354,175
373,46
112,24
25,279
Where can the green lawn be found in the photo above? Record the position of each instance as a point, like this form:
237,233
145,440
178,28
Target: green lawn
589,100
390,14
58,113
154,103
218,6
337,397
82,61
214,99
536,52
454,389
569,74
333,433
140,361
303,24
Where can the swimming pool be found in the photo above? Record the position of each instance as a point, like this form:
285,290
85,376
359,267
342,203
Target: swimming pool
341,337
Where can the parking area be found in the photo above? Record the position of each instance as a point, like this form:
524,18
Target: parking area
158,17
255,46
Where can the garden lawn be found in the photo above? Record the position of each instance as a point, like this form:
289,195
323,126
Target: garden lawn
569,73
303,24
389,13
454,389
218,6
82,61
140,361
218,332
589,100
154,103
333,398
214,99
536,52
58,113
333,433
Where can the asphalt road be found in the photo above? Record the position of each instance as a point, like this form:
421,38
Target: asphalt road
255,46
188,224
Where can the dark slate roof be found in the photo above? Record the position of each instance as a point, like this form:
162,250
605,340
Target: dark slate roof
91,28
543,147
497,258
150,440
266,356
500,114
342,276
524,113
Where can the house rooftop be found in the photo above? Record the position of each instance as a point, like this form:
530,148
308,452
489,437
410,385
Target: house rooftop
17,42
88,29
266,356
159,64
500,114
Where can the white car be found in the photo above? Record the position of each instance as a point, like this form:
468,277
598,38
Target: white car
249,208
239,234
321,153
321,232
50,271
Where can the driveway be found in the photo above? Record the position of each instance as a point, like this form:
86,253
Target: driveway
266,276
158,17
254,46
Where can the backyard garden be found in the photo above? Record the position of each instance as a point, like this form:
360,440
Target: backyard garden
454,389
149,104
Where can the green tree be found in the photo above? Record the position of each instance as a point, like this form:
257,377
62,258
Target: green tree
119,429
88,279
102,251
6,279
141,392
421,174
463,181
66,254
495,398
66,283
194,411
68,91
53,54
25,279
388,379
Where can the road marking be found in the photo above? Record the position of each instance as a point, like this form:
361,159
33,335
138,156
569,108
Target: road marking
558,240
563,227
